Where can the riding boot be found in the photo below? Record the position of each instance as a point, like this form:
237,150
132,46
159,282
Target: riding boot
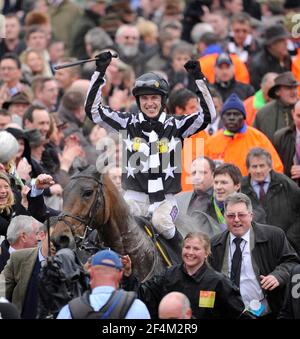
176,243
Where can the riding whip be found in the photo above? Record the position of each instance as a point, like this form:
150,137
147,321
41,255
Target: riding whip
80,62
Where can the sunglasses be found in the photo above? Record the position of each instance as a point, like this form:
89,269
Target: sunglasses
241,216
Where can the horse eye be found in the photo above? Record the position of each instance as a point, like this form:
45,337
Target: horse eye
87,194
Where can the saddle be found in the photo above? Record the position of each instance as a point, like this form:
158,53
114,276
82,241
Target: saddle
167,253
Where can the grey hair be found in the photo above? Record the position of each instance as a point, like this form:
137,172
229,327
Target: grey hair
123,27
236,198
199,29
21,224
98,39
259,152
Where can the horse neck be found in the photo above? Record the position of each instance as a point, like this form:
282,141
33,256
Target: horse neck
141,250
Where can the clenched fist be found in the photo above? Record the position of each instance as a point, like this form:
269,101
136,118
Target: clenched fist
194,69
103,61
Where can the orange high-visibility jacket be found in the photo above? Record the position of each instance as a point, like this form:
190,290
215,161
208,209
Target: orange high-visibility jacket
207,64
250,110
234,149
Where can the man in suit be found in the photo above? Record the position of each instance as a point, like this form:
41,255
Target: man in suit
202,169
210,219
258,258
22,232
21,276
274,195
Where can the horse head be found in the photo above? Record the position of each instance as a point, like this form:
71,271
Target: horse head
91,201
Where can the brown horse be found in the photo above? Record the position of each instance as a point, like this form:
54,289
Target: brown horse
92,200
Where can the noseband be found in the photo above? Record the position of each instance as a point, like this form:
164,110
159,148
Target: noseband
89,219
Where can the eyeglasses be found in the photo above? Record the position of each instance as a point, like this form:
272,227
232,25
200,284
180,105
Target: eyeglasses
8,68
241,216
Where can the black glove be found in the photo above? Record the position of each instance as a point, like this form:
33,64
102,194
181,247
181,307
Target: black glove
194,69
103,61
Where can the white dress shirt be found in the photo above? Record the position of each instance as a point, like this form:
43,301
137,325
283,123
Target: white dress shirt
249,286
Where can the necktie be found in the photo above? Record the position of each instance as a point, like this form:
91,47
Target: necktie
236,262
262,193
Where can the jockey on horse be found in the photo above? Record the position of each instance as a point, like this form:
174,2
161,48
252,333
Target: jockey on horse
153,141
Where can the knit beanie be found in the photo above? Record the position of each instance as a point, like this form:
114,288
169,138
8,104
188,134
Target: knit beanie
9,147
233,102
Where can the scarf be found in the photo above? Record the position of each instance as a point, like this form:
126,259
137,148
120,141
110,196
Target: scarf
153,129
220,216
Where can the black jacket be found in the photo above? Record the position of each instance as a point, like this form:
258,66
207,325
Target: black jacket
242,90
282,205
285,141
264,62
228,302
272,254
4,254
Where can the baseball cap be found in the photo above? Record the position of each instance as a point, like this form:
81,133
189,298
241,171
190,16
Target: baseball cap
223,58
107,258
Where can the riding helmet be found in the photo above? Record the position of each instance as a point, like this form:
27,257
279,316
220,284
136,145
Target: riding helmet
151,83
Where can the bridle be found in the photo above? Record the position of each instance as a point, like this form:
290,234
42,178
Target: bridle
89,219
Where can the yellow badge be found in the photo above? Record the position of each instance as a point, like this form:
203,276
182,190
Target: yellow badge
136,144
163,146
207,299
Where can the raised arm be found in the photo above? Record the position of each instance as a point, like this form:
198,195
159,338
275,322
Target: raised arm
191,124
94,109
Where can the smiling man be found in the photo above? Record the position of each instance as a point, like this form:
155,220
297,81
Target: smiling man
152,141
257,258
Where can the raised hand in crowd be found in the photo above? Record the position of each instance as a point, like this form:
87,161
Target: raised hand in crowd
126,262
24,169
72,149
2,168
44,181
4,94
24,191
295,172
